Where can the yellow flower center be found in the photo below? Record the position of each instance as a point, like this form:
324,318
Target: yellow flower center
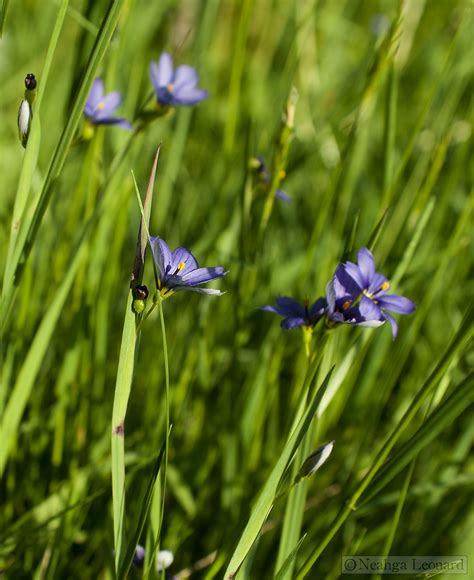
367,293
166,292
170,87
346,305
101,106
385,286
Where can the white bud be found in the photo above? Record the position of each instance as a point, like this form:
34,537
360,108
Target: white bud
315,460
164,559
24,121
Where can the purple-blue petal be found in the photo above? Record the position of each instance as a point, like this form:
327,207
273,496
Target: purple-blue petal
203,275
112,121
184,77
377,283
318,308
292,322
353,271
183,255
162,255
345,286
393,324
369,310
189,96
109,103
164,70
365,261
398,304
270,308
282,196
290,307
95,94
123,123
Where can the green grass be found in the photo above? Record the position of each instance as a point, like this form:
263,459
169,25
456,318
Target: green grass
371,135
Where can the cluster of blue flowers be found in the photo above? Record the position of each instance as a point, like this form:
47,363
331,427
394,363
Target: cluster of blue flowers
356,295
173,87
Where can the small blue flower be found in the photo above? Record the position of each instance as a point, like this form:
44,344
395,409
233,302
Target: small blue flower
99,107
139,556
357,294
175,87
264,173
179,270
296,314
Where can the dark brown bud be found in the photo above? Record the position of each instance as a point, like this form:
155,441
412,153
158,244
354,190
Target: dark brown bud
30,81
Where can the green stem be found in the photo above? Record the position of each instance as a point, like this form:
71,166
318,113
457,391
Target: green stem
167,401
167,434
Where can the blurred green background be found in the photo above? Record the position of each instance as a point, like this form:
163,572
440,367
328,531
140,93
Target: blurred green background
383,122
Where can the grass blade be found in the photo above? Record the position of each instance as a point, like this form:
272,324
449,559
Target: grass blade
264,502
123,383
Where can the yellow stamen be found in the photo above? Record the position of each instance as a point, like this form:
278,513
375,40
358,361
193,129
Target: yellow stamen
346,305
170,87
100,106
367,293
181,266
385,285
166,292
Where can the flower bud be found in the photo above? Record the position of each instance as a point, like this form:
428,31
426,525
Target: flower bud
315,461
24,121
30,82
138,306
140,294
164,559
139,556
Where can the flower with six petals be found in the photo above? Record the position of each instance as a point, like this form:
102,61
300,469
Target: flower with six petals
99,107
357,294
179,270
175,86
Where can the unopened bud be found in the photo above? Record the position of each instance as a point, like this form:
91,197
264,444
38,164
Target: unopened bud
24,121
315,461
30,82
140,294
139,556
164,559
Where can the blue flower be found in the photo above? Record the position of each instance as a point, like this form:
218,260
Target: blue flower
99,107
296,314
357,294
179,270
175,87
139,556
264,173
